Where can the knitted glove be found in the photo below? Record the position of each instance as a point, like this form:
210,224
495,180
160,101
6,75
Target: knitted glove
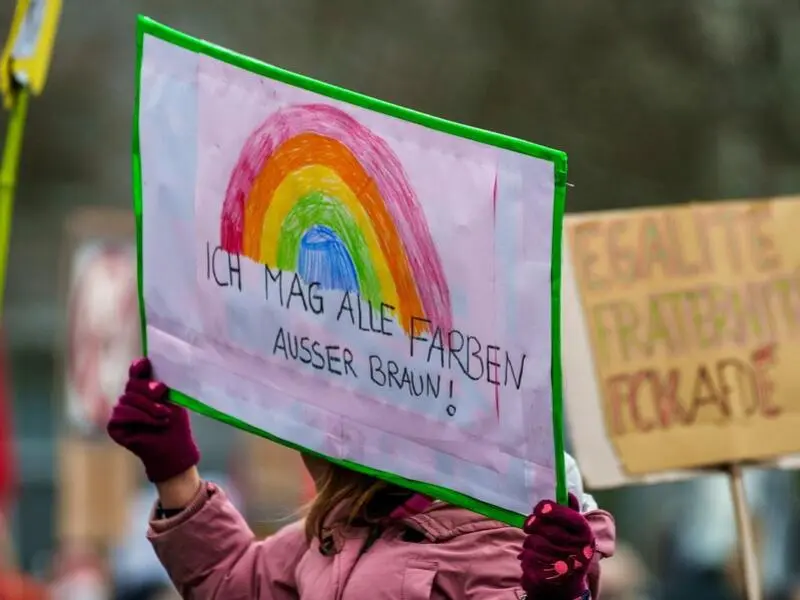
156,431
557,552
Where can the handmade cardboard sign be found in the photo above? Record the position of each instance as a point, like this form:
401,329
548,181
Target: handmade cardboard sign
350,277
96,482
272,479
681,322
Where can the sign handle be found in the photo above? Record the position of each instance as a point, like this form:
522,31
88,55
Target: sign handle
8,180
744,524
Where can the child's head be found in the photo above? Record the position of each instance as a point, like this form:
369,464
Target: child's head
339,488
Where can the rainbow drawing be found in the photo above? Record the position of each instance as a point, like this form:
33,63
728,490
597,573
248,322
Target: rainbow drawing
317,193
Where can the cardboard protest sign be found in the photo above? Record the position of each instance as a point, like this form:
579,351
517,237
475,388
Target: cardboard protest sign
350,277
97,479
680,323
272,479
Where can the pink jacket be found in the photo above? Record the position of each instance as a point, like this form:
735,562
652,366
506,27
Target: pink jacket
444,553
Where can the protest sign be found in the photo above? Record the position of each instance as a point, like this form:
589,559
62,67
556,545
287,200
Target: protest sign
25,60
349,277
96,481
272,479
102,329
24,63
680,322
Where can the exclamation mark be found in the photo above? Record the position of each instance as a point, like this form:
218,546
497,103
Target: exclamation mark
451,409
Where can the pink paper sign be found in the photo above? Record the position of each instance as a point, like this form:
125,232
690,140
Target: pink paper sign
348,281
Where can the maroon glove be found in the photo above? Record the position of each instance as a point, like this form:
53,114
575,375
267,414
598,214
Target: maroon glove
557,552
156,431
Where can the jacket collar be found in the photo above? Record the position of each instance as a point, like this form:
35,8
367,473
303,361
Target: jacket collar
441,522
437,521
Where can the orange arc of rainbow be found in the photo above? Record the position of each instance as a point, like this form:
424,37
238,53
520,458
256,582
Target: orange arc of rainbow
312,149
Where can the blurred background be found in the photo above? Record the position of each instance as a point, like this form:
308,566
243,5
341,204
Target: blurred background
655,103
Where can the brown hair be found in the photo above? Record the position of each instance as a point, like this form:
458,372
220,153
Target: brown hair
353,492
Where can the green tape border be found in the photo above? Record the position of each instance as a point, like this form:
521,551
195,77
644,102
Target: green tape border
147,26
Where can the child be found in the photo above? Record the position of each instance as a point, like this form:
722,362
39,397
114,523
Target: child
362,538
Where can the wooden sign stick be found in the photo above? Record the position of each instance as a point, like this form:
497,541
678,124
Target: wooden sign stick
744,524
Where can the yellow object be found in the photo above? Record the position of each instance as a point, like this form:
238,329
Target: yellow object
318,178
24,64
26,57
8,180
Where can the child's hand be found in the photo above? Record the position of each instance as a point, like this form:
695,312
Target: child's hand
153,429
557,551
